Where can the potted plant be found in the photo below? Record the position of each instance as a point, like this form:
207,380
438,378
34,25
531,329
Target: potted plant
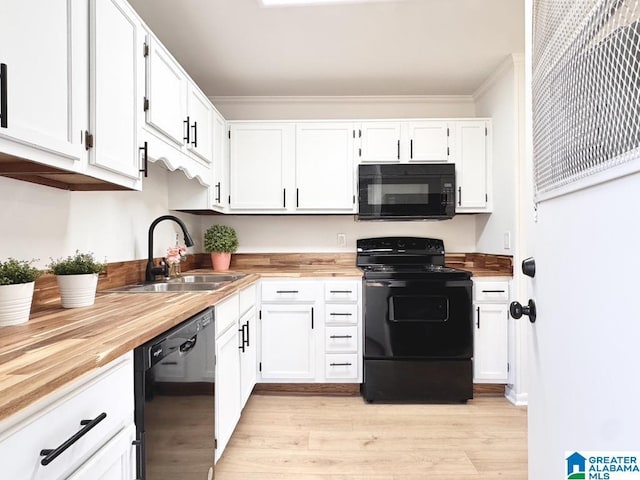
17,279
77,277
221,241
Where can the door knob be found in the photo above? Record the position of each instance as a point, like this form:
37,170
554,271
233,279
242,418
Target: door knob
518,310
529,267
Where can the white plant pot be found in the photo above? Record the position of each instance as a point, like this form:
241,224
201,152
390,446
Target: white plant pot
15,303
77,290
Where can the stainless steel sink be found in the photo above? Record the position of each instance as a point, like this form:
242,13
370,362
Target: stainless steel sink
207,278
185,283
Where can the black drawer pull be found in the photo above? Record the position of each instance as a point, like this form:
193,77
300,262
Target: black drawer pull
51,454
341,336
340,314
346,364
4,121
492,291
340,291
286,291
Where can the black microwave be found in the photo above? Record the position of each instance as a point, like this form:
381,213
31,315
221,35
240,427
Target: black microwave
406,191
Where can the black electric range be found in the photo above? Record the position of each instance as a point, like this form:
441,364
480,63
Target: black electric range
417,322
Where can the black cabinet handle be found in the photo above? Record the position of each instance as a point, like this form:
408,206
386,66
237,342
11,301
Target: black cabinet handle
297,197
247,333
311,318
51,454
478,315
340,314
242,343
411,149
218,195
340,336
284,198
286,291
492,291
188,129
4,121
194,142
340,291
459,196
346,364
145,159
398,149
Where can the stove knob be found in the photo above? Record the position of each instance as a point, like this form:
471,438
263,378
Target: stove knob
400,244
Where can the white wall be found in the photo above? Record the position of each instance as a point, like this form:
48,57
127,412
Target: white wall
303,108
319,233
498,98
43,222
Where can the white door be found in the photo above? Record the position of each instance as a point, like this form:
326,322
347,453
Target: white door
583,346
325,167
220,167
428,141
227,399
380,142
490,344
471,165
166,93
288,342
200,124
114,100
248,354
260,156
43,44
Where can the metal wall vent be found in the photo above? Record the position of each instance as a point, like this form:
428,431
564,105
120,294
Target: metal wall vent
586,88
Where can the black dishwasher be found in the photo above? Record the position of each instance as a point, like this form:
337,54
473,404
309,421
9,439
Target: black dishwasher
174,402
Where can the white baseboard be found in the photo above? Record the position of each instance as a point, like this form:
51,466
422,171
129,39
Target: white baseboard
518,399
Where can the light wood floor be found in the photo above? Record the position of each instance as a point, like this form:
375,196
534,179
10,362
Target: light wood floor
343,438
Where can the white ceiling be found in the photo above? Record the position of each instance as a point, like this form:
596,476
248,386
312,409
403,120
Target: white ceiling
410,47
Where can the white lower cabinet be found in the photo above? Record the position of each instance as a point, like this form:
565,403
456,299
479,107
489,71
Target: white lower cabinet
248,343
103,450
491,314
311,331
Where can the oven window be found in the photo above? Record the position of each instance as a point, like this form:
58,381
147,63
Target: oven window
418,308
398,193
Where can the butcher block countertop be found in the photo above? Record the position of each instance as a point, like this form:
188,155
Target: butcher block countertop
57,346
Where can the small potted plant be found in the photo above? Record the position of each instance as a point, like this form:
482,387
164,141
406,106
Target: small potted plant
17,279
221,241
77,277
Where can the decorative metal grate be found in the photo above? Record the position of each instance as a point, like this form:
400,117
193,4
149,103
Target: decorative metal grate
586,88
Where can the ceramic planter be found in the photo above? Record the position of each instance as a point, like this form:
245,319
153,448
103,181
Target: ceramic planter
77,290
220,261
15,303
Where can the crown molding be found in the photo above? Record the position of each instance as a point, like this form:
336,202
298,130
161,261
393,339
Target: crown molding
515,59
329,99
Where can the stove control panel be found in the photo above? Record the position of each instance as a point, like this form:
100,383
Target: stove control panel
391,245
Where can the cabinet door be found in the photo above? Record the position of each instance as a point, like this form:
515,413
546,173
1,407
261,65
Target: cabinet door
288,342
44,50
325,167
471,165
166,90
220,187
380,142
248,354
115,71
227,400
114,461
428,141
260,155
490,344
200,124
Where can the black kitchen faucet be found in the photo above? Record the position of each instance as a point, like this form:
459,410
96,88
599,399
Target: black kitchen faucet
152,270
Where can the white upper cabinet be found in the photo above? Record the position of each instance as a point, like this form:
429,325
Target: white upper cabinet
428,141
200,124
220,189
42,55
116,72
380,142
260,155
404,141
166,90
324,166
472,142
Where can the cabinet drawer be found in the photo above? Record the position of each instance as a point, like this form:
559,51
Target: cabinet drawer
341,366
226,314
341,291
341,313
341,339
247,298
289,291
109,393
491,291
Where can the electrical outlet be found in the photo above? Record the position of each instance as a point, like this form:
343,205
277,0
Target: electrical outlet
342,240
507,240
